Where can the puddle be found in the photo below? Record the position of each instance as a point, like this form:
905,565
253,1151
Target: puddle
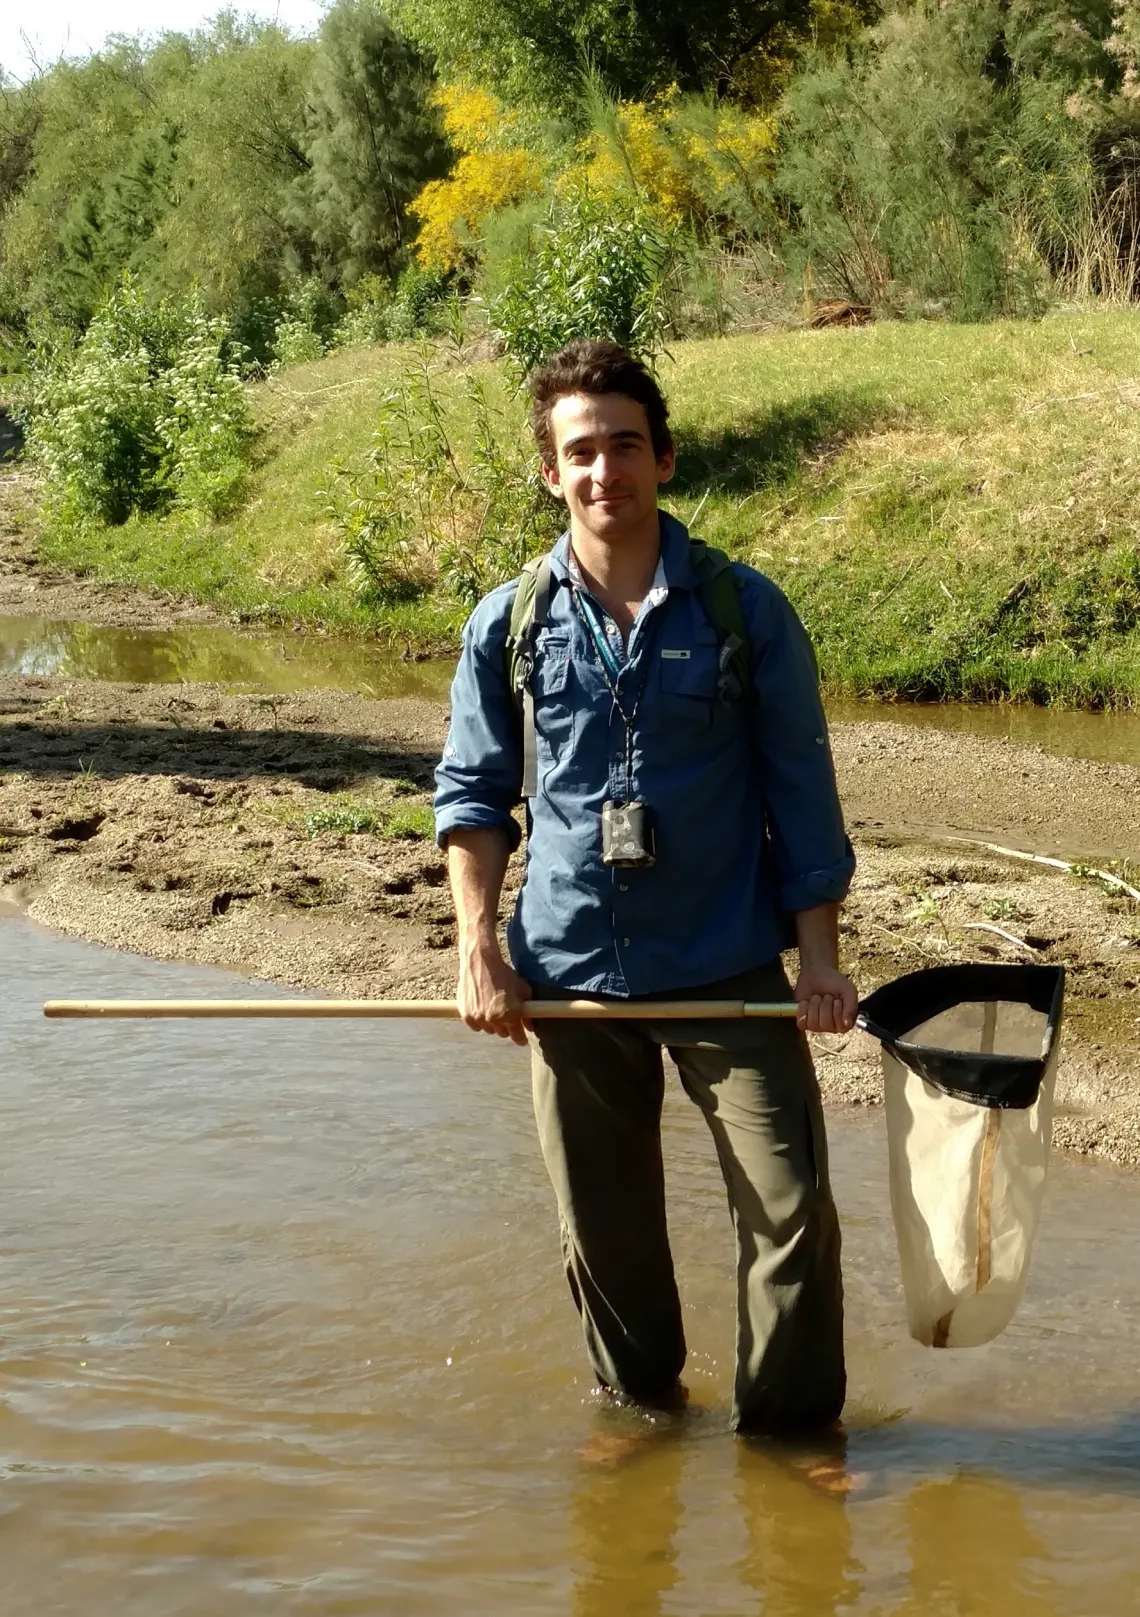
1108,737
285,662
282,1330
278,663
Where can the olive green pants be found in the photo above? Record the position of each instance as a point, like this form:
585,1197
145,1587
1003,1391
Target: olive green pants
598,1090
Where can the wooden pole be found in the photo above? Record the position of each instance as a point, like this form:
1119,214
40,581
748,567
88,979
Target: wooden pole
642,1010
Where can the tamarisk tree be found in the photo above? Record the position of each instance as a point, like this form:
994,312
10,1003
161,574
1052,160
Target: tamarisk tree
373,139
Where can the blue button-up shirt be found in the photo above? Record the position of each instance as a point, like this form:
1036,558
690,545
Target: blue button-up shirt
748,823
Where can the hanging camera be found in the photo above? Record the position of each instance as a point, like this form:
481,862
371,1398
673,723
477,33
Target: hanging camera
627,835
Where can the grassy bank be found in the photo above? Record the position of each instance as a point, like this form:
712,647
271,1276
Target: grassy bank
955,510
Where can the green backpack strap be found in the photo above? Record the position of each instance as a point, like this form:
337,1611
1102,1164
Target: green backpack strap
719,594
530,611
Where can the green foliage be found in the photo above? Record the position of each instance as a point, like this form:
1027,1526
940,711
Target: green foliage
449,493
538,49
205,428
176,161
367,314
373,139
235,232
306,327
345,819
146,411
412,822
886,174
416,307
600,269
110,227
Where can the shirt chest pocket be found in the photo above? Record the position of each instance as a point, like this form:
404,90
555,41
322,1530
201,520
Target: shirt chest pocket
688,687
553,712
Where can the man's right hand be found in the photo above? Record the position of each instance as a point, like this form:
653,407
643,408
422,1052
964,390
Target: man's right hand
491,995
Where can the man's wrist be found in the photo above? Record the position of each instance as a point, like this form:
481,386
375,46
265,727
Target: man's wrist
819,960
479,939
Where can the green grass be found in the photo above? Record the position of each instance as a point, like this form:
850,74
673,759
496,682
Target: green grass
955,510
406,822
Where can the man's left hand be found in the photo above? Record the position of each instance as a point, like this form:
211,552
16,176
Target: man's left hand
827,1000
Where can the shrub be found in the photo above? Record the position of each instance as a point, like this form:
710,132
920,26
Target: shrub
295,343
416,307
491,174
367,318
450,493
887,174
600,270
691,161
304,329
143,412
205,428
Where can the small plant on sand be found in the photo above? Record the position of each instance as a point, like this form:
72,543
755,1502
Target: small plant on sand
344,819
348,818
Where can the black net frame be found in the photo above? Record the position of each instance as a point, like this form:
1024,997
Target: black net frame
1005,1081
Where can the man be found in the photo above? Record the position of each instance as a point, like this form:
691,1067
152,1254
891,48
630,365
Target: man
735,850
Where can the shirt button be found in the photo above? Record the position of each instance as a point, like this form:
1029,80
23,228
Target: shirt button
623,887
625,943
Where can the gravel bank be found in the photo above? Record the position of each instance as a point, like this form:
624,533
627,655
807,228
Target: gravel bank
179,822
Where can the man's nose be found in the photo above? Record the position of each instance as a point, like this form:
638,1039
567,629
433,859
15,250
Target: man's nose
604,470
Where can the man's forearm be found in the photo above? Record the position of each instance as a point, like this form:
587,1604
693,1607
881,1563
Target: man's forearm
490,994
817,936
476,865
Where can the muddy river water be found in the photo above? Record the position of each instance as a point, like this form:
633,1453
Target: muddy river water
282,1330
285,662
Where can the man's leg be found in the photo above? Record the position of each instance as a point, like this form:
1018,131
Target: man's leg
597,1098
755,1083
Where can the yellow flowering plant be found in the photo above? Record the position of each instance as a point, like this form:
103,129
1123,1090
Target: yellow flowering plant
491,173
688,160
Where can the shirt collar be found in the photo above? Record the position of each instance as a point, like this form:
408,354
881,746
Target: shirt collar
657,590
674,567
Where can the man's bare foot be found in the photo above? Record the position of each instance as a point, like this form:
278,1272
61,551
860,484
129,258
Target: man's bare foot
822,1463
828,1474
611,1448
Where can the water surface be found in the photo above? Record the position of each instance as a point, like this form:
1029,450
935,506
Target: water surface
1068,732
282,1330
278,663
285,662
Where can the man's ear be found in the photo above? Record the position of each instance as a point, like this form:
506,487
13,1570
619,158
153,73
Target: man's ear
666,465
553,482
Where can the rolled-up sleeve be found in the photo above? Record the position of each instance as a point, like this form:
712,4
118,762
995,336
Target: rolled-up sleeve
812,858
479,777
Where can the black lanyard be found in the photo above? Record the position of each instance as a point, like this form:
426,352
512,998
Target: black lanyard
628,719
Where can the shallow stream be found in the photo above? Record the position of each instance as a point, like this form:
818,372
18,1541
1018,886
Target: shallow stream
284,662
282,1329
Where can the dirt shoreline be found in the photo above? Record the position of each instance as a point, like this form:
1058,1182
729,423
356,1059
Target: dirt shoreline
174,821
32,588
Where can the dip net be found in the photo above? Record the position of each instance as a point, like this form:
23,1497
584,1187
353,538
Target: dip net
969,1065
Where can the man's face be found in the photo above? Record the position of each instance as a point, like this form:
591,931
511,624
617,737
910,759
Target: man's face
607,471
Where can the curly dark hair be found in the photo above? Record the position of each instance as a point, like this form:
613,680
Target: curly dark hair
593,367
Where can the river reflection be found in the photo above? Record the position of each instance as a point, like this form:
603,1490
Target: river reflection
277,663
282,1329
283,662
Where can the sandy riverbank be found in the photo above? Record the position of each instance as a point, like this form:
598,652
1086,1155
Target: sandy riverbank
174,821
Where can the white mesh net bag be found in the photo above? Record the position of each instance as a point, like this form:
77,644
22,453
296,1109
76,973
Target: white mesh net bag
969,1064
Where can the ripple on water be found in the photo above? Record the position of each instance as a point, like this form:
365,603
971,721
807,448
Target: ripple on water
282,1328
